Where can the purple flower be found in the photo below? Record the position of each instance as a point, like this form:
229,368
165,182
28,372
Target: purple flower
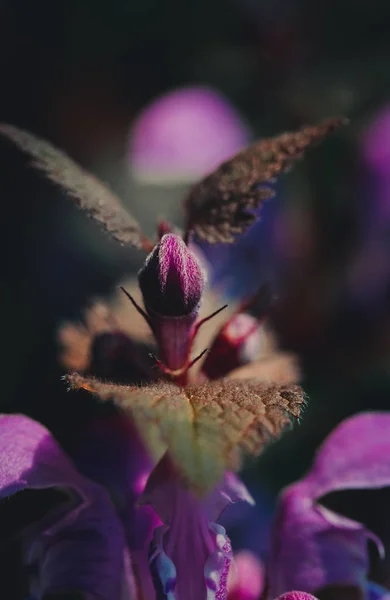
314,547
79,544
185,134
202,430
172,270
180,574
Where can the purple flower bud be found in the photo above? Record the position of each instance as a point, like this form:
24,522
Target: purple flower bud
171,280
172,284
185,134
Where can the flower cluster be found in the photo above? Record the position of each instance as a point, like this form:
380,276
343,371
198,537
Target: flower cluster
202,425
189,419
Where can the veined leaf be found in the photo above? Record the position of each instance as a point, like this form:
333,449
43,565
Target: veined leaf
87,191
219,207
206,428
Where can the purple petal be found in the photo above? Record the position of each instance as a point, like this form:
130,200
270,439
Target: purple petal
229,491
196,547
354,456
31,458
314,547
84,548
111,453
309,552
163,485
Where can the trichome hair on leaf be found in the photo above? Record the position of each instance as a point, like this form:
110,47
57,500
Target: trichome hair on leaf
205,428
88,192
219,207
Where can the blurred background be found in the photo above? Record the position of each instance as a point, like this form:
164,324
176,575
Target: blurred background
152,94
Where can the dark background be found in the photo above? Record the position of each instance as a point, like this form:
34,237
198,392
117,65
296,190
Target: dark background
78,72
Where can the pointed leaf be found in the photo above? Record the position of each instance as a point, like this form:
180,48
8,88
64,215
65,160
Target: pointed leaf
206,428
88,192
219,206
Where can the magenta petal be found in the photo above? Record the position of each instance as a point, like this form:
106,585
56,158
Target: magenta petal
31,458
314,547
354,456
85,548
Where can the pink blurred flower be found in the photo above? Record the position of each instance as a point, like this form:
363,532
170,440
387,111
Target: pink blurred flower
184,134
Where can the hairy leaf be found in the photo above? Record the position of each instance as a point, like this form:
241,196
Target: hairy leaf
219,207
208,427
88,192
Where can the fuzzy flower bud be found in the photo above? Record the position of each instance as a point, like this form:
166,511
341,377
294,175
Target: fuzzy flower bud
172,283
171,280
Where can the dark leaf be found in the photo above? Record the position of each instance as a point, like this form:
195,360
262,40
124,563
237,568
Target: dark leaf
88,192
206,428
219,207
